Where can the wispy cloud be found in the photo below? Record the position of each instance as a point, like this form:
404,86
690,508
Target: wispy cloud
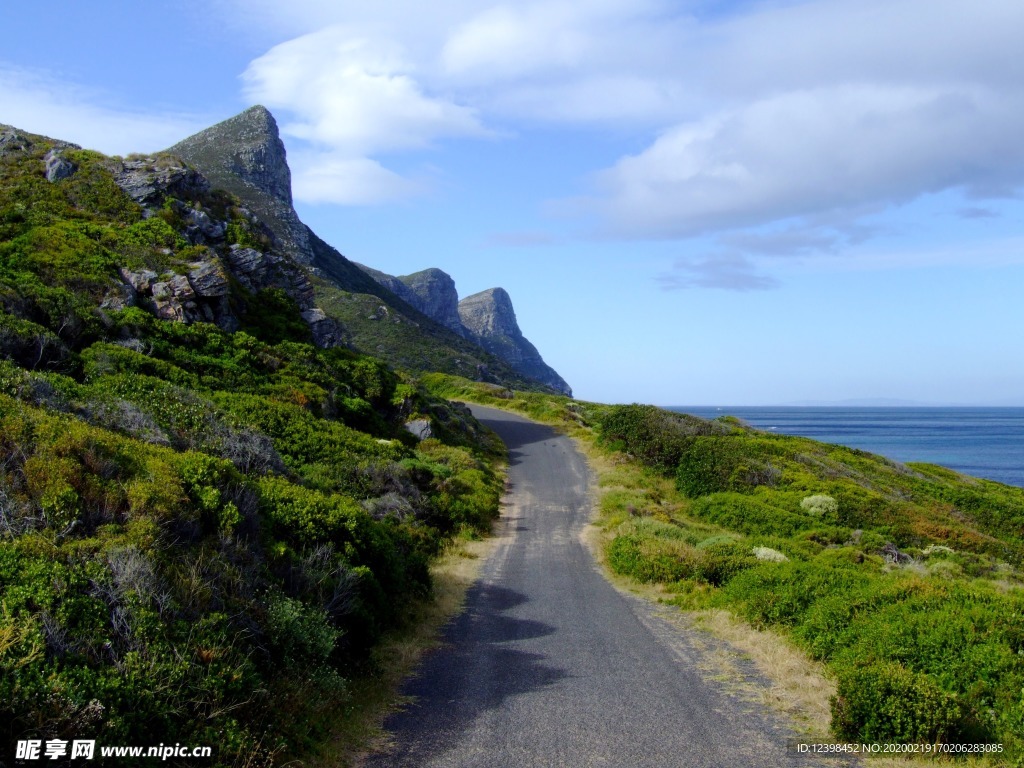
976,212
40,102
724,271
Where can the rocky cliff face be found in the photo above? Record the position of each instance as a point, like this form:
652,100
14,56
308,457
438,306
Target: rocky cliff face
164,183
486,318
489,318
436,297
395,285
431,291
245,156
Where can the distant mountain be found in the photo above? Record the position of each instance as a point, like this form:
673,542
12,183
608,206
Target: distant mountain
412,322
487,318
490,319
868,402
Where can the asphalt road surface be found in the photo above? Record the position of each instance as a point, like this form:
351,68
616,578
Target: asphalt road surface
549,665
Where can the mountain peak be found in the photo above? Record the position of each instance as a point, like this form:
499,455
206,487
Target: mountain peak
245,155
489,313
490,319
248,146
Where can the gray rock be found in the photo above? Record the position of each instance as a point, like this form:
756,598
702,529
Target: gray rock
326,331
201,228
12,140
245,155
58,167
149,180
208,280
491,321
181,288
141,281
119,297
258,271
419,428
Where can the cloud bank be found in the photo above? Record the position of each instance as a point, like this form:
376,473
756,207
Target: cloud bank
809,112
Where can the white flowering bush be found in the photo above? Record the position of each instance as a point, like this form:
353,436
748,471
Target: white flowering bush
820,505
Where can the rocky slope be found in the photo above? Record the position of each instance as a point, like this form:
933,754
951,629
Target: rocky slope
431,291
412,321
489,318
221,244
486,318
245,156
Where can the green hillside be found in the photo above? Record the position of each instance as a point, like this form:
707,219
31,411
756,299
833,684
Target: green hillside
204,528
399,334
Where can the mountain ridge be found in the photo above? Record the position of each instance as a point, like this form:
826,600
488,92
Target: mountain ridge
246,156
486,318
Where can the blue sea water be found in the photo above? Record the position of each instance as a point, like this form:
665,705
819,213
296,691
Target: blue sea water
984,442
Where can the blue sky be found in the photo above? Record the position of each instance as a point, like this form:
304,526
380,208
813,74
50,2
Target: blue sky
689,202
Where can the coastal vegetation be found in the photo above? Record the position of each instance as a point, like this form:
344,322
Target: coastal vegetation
905,581
204,533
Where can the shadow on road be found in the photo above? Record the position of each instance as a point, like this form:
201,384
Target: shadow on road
474,672
516,434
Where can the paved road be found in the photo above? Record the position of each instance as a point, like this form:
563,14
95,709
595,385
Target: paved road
549,665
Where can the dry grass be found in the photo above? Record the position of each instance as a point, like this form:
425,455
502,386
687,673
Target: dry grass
798,685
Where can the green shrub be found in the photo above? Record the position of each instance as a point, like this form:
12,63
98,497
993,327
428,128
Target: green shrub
706,465
300,634
746,514
820,505
887,703
656,437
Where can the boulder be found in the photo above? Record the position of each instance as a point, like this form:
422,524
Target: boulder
208,280
57,166
326,331
419,428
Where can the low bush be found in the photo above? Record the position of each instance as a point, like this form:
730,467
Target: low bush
887,703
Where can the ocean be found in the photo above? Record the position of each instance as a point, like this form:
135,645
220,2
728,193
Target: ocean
983,442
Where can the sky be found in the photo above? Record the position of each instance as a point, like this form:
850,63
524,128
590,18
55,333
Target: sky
697,202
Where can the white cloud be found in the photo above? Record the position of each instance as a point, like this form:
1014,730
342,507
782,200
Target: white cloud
808,112
805,153
354,93
350,96
40,103
345,180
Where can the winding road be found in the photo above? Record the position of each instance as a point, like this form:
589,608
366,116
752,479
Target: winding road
549,665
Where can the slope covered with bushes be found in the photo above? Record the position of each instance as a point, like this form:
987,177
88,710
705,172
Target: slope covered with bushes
204,527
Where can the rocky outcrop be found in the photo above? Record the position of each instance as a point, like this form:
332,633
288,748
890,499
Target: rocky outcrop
436,297
198,296
258,271
491,321
57,166
393,284
245,156
150,180
201,294
430,291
